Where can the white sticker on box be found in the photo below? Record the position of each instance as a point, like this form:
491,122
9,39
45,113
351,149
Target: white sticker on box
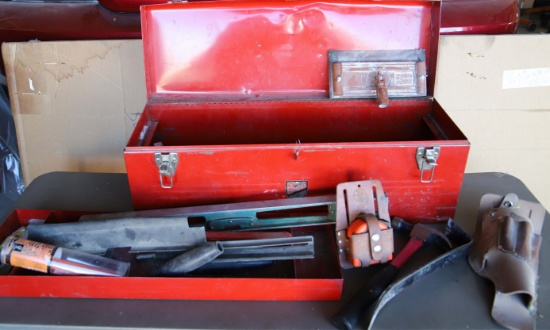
526,78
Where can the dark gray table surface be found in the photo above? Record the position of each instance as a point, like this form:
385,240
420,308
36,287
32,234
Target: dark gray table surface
450,298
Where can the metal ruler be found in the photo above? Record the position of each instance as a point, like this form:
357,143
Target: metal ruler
280,213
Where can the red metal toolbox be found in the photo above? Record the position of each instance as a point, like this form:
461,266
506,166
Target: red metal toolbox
319,278
239,108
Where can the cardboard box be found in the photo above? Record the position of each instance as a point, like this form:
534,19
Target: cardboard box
74,103
496,88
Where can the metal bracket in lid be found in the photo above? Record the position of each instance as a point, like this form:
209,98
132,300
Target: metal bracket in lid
379,74
167,164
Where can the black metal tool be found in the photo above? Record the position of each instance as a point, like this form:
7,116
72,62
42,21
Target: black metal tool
240,251
174,262
192,259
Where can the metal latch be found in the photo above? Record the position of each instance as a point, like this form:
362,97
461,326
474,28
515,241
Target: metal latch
426,159
167,164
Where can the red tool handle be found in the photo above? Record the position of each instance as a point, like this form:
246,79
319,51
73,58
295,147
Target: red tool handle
412,246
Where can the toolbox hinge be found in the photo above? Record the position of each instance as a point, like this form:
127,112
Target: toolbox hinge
167,164
426,159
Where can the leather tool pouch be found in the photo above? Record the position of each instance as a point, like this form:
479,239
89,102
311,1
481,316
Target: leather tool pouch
363,204
506,251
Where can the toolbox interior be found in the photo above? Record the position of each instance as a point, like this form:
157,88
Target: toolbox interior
248,123
323,266
256,80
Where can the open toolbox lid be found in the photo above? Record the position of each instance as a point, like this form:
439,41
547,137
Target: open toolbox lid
263,50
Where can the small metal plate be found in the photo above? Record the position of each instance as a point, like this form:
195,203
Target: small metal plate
353,74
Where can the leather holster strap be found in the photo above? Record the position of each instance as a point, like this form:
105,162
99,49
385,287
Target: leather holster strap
364,247
506,251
